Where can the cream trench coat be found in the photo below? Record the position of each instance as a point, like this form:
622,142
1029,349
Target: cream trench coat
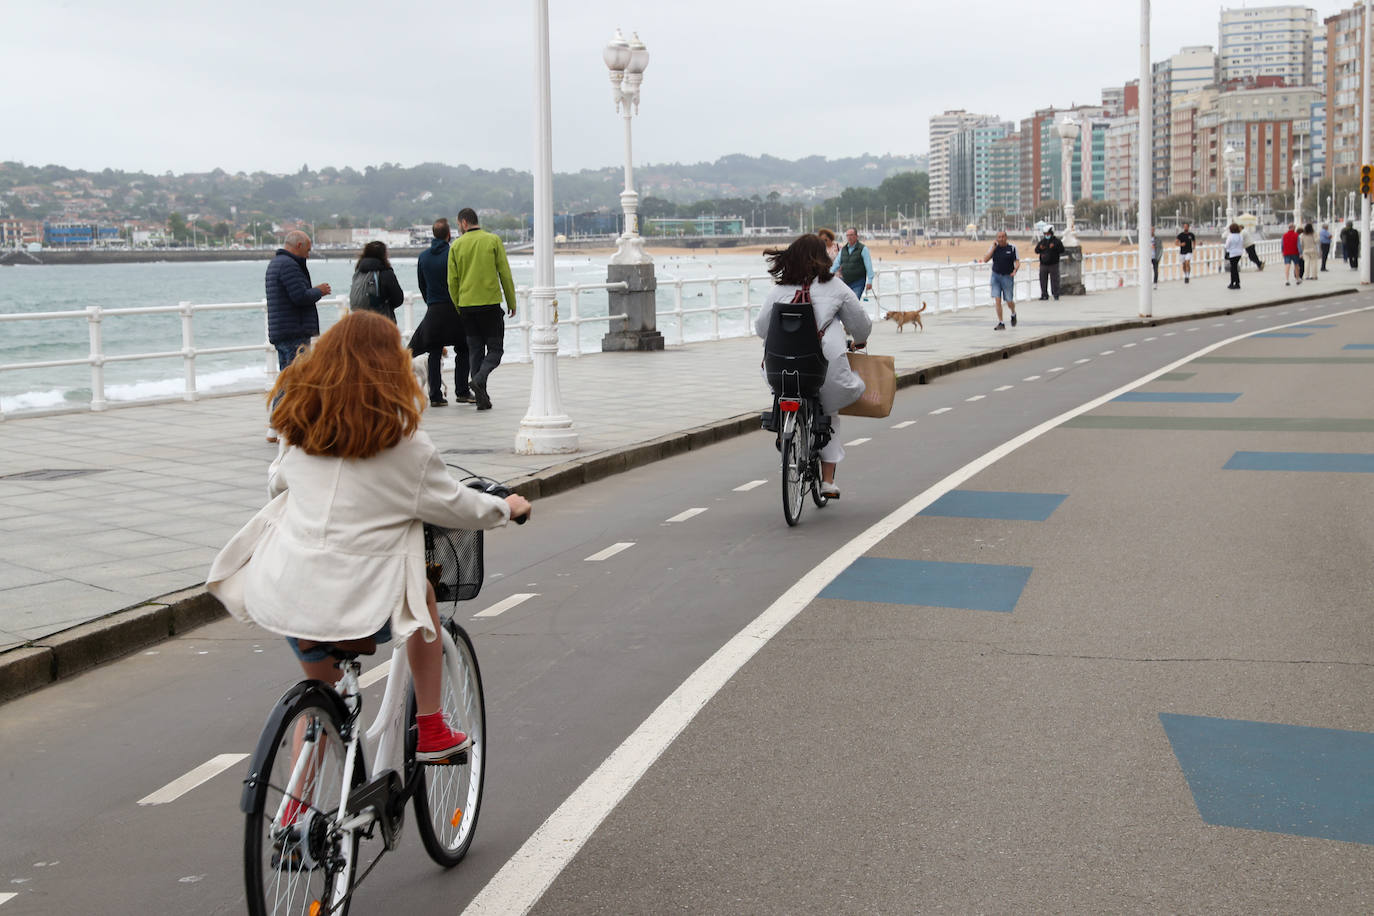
835,305
339,550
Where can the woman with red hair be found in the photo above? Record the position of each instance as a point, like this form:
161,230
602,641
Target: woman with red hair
338,553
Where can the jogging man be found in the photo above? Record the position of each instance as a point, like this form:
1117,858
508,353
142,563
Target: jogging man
1185,251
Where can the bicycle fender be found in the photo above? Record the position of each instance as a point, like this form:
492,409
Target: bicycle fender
317,690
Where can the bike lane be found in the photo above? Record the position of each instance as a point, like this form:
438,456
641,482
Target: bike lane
1123,665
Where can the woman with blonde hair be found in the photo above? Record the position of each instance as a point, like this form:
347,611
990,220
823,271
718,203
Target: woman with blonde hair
338,553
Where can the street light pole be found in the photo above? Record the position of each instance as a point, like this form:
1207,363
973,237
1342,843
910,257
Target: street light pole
1144,154
545,429
1367,91
1228,158
1068,132
626,61
1297,192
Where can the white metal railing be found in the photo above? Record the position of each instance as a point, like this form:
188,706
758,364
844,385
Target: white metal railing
943,288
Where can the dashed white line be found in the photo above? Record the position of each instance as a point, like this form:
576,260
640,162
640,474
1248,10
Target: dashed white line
505,604
1106,353
183,784
374,674
941,410
1238,321
686,514
1057,369
860,441
1086,359
744,487
609,551
1191,330
1284,312
1004,388
1031,378
1170,333
904,424
1219,324
976,397
1148,339
1127,346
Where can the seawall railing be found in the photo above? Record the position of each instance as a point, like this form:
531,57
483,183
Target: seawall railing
729,307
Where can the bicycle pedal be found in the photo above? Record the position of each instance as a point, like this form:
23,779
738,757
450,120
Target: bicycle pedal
453,760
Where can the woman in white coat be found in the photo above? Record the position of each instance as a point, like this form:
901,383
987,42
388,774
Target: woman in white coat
338,553
806,264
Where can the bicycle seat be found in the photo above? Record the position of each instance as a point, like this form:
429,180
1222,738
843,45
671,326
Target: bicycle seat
343,649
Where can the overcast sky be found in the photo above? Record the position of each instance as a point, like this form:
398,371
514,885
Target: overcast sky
191,86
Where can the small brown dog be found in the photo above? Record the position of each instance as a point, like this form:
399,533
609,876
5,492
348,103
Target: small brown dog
903,317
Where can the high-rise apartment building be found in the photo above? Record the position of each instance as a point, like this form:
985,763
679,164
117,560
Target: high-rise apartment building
1344,90
1193,67
1121,145
970,167
942,127
1268,126
1267,41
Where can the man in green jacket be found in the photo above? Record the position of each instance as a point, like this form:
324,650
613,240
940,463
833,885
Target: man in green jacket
478,275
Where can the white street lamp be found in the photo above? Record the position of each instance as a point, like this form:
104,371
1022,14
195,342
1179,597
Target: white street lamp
1068,132
1228,158
545,428
1297,192
627,60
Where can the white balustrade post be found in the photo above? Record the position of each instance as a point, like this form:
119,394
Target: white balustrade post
715,308
574,296
677,310
93,318
188,350
545,428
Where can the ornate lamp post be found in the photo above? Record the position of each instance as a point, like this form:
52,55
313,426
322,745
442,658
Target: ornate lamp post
1228,159
545,428
626,60
1068,132
1297,192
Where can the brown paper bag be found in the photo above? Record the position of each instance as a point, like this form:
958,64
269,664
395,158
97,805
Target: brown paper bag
880,379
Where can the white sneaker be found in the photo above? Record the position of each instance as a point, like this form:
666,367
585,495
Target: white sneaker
830,491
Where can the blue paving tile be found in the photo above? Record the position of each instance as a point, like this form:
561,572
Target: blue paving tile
1181,397
1016,507
1294,779
970,586
1342,462
1285,334
1358,347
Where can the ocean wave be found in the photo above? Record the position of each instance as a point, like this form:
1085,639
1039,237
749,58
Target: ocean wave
148,389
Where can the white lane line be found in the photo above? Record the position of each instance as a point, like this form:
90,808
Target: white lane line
904,424
609,551
7,897
1170,333
374,674
1057,369
1086,359
534,866
976,397
941,410
1031,378
1148,339
1004,388
749,486
684,515
505,604
859,441
1127,346
1284,312
1190,330
1106,353
1219,324
183,784
1238,321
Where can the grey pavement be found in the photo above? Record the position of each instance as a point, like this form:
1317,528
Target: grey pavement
108,521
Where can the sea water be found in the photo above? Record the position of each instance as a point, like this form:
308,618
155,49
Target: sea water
65,288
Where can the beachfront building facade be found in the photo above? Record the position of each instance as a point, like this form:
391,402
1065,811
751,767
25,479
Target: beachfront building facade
942,127
1004,182
970,156
1193,67
1344,89
1269,126
1267,41
1121,153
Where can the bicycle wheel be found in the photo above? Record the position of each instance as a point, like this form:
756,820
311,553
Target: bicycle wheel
295,861
449,797
796,446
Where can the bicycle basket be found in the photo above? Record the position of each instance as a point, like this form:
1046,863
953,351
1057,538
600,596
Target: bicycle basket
453,562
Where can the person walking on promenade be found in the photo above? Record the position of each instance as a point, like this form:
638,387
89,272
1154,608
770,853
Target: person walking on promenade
1310,253
1186,240
292,317
832,247
1050,250
1247,236
442,326
805,266
375,287
1350,238
854,264
1156,252
1235,248
1005,264
1292,255
478,275
1324,239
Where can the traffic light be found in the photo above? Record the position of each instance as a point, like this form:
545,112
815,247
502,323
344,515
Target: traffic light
1366,180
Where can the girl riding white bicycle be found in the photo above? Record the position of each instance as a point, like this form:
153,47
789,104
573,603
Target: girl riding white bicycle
337,556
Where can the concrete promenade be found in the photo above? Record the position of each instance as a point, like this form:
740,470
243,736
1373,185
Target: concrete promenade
108,521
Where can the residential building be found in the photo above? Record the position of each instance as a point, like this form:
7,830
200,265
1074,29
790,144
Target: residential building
1193,67
1344,90
970,172
1183,139
1269,126
11,233
942,127
1267,41
1121,151
1004,177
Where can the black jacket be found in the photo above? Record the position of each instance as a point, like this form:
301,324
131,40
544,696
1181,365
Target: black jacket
1050,249
442,325
291,312
392,294
1350,238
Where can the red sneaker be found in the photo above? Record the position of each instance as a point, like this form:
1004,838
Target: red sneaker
438,742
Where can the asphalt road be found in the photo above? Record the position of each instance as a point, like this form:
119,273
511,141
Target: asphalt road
879,762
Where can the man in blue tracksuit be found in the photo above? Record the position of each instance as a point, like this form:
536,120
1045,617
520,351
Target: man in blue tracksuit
854,264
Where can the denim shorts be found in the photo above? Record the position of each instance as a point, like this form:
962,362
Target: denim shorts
1292,258
1003,287
320,651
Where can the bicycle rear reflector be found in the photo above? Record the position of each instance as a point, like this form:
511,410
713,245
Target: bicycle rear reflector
788,406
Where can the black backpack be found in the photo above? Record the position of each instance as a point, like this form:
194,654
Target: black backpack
792,358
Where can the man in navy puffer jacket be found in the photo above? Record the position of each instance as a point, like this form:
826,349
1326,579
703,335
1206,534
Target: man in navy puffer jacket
292,318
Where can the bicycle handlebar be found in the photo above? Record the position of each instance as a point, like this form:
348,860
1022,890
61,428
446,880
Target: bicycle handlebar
492,488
